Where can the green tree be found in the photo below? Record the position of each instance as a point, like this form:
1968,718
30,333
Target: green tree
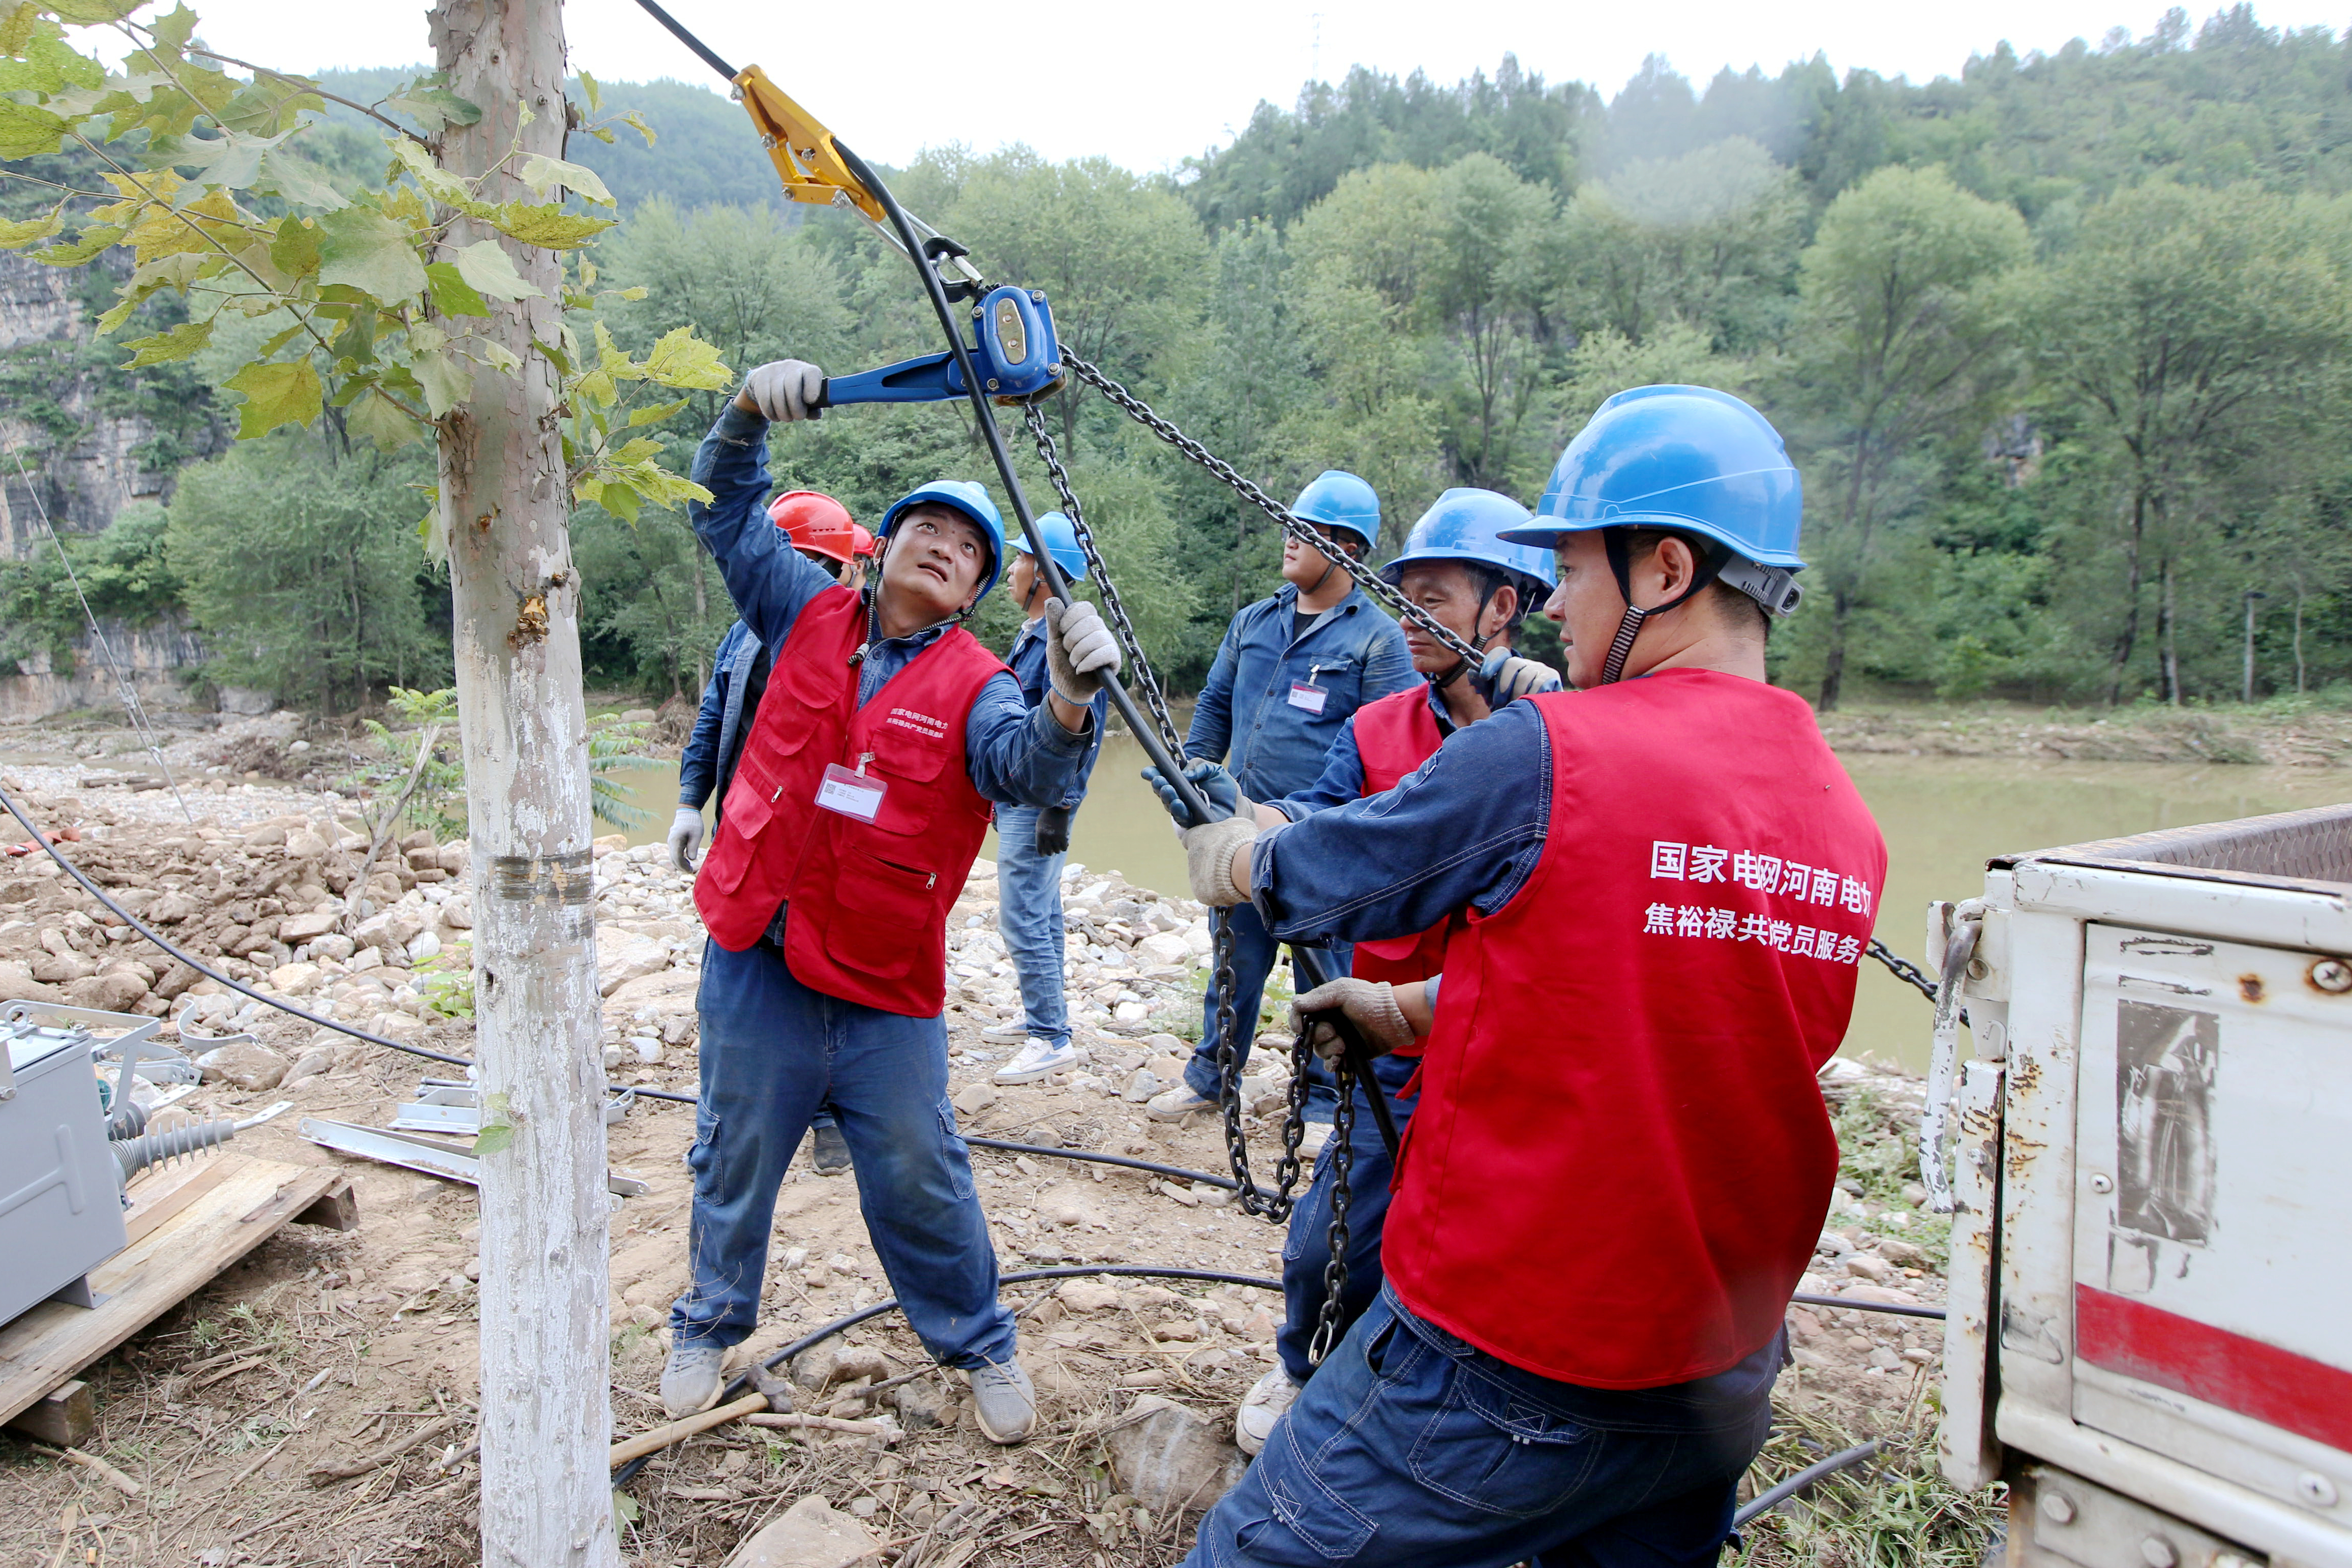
302,570
1892,349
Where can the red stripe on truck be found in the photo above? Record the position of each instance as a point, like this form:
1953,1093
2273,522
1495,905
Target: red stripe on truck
2288,1391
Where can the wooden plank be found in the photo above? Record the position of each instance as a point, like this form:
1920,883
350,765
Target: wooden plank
250,1202
338,1209
152,1207
65,1416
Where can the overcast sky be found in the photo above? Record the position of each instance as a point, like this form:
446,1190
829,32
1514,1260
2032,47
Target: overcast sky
1149,84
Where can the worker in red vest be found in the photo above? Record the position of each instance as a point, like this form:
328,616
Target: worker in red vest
857,806
1455,566
1660,886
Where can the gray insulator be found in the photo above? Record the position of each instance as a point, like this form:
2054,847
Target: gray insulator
128,1120
135,1154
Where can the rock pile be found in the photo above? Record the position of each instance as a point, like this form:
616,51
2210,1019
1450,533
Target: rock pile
1132,954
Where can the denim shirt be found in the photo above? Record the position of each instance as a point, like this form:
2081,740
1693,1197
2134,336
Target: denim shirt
1245,718
1343,769
708,759
1013,754
1465,830
1027,658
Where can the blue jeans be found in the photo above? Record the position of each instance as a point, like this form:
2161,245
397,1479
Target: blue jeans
772,1052
1254,950
1411,1446
1307,1251
1029,919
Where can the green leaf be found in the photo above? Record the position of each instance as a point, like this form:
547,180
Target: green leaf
655,414
429,102
544,174
487,269
27,132
435,181
362,248
548,225
637,122
498,1123
298,181
174,30
383,422
20,28
595,93
16,236
555,356
295,251
95,241
452,295
90,13
447,382
165,348
681,359
279,392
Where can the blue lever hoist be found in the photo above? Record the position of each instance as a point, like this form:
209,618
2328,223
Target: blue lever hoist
1012,350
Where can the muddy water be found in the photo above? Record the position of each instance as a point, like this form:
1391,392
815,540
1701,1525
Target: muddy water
1943,816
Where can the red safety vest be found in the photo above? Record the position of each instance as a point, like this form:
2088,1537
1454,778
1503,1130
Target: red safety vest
1621,1161
1394,735
868,900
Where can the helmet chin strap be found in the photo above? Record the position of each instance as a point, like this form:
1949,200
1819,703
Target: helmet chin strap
1620,566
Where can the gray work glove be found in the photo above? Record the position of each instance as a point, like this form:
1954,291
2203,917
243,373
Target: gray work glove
1505,676
1369,1004
1208,854
1216,786
1080,651
784,390
685,838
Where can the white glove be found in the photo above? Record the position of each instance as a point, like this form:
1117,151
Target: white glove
1369,1004
1506,677
1208,854
784,390
685,838
1080,651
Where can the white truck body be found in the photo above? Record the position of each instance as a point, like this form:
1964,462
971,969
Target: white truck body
2151,1329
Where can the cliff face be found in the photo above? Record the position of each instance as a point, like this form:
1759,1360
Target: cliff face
152,657
80,453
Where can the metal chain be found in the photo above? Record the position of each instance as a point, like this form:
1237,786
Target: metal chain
1366,578
1114,610
1328,1327
1902,969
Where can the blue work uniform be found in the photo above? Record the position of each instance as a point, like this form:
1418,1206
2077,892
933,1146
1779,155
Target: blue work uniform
774,1050
739,676
1360,1466
1029,885
1276,697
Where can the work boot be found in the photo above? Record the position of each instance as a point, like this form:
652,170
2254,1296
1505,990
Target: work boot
1175,1104
689,1383
1038,1058
1265,1404
828,1150
1005,1401
1010,1033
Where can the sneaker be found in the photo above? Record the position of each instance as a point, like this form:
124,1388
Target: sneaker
1010,1033
1311,1139
1265,1404
1037,1060
828,1150
1005,1401
689,1383
1175,1104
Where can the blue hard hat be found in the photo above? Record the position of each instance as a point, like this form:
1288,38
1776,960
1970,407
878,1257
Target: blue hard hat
1468,525
968,498
1336,499
1685,458
1061,542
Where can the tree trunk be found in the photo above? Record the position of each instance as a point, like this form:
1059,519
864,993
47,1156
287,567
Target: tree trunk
2130,636
1833,666
2168,639
546,1416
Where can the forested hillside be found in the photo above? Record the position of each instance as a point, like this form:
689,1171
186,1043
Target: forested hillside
2062,347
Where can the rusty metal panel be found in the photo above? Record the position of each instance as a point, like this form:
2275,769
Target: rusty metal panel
2034,1315
1965,1446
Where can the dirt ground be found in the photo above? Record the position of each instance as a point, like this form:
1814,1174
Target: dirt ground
355,1351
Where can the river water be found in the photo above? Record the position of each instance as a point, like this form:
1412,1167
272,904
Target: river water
1943,817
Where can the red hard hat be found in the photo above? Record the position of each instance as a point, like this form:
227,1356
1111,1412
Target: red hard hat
864,547
816,521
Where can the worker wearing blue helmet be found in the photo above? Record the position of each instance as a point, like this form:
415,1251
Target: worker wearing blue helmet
860,800
1290,672
1033,843
1656,890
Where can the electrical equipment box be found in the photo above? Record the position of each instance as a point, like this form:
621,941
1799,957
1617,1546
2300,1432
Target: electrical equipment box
60,1186
2151,1329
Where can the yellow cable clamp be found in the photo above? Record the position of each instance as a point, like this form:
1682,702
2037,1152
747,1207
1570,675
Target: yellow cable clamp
802,147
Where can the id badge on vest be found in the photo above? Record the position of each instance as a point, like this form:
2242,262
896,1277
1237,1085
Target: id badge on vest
1305,694
850,793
